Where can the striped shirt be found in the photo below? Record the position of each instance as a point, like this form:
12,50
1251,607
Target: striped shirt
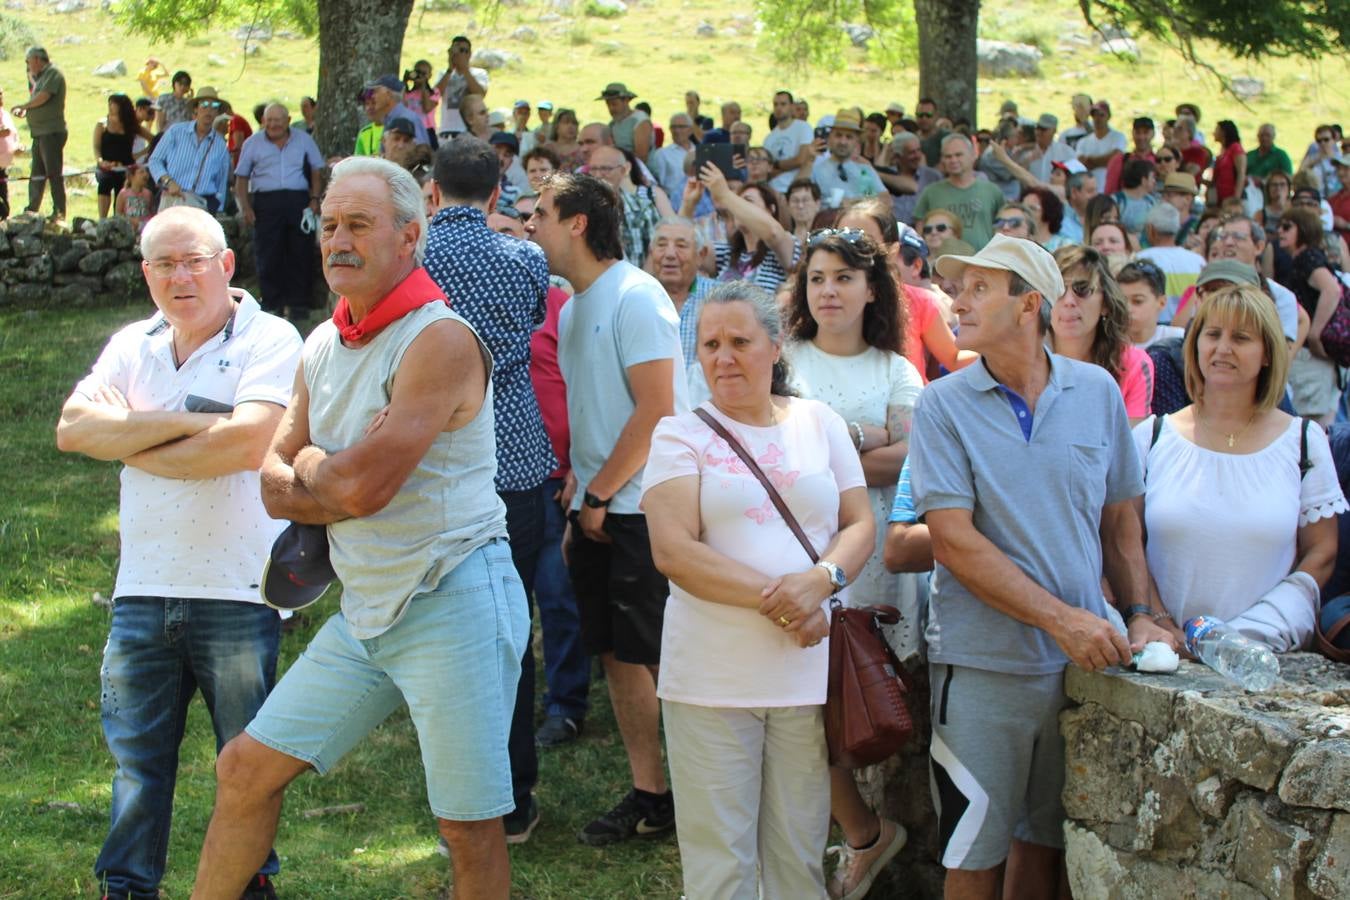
689,316
201,166
769,274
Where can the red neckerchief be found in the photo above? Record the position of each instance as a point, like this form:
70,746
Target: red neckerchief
412,292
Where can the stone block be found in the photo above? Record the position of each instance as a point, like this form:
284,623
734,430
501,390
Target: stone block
1098,871
115,233
57,244
1318,776
859,34
97,262
26,245
66,279
72,296
1146,699
1214,796
1244,744
525,34
30,295
5,249
125,279
1329,874
25,224
39,269
1003,59
113,69
492,59
1271,854
706,30
1104,764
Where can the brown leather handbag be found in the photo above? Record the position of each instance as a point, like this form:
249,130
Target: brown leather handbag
866,716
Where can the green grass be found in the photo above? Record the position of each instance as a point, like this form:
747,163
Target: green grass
659,56
58,547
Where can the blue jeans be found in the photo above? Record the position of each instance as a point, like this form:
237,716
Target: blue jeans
160,651
525,527
567,668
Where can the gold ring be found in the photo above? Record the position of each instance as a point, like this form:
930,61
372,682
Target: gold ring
784,621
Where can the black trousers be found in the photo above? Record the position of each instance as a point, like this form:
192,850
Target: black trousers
285,254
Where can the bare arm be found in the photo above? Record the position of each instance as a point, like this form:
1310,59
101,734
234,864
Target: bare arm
1240,171
662,201
471,84
283,494
1091,642
242,197
881,462
796,596
653,389
941,343
1329,295
235,443
1126,570
757,221
440,386
38,99
1016,169
107,428
672,510
1317,545
908,548
1101,159
898,183
98,143
642,140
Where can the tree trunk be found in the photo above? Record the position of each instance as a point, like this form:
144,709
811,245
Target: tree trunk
358,40
947,63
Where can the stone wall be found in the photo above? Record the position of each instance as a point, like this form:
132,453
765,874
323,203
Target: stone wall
91,264
1184,786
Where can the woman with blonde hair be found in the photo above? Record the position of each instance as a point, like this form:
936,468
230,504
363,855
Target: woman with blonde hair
1240,499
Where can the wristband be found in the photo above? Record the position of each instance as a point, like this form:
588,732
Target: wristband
1140,609
858,435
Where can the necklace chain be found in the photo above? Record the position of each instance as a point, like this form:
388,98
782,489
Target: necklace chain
1234,437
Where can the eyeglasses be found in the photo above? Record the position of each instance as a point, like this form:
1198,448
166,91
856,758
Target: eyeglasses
937,227
848,235
195,265
1010,222
1230,236
1163,159
594,168
924,115
756,157
210,104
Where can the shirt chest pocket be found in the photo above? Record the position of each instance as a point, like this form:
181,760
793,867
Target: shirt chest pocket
214,387
1087,475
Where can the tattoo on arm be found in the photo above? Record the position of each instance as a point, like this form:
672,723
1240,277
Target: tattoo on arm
899,420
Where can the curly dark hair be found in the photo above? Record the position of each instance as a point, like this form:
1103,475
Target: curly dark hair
1052,208
884,319
737,242
1113,328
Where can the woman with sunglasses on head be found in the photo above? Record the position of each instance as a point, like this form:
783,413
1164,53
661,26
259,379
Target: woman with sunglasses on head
1090,322
1235,529
844,326
1310,275
939,225
743,667
758,248
925,327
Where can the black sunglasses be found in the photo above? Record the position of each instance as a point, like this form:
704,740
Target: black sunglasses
939,227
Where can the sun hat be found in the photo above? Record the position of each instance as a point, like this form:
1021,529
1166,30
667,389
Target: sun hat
1027,259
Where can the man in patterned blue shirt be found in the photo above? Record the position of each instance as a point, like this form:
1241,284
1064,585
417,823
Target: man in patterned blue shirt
499,285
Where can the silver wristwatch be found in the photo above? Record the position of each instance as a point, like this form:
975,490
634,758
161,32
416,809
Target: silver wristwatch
838,578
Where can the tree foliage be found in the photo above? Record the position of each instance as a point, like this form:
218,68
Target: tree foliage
811,33
168,20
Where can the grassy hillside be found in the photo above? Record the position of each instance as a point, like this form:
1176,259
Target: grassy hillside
655,49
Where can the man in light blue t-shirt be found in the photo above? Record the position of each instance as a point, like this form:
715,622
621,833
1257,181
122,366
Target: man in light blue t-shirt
1024,470
619,351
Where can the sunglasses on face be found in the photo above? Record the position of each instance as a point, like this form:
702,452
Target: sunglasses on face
1167,159
1286,226
1010,222
848,235
924,115
1082,289
210,104
938,227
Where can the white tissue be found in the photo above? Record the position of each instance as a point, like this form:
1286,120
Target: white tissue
1156,657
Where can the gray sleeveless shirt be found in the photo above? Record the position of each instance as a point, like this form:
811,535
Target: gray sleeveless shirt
445,510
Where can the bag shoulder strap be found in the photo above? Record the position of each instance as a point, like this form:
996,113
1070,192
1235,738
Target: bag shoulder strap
1157,430
776,498
1304,464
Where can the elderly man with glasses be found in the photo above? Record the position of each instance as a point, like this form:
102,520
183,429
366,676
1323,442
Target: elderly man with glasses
187,401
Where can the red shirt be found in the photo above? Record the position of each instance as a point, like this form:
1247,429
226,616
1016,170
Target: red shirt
922,310
1117,163
1196,155
549,388
238,133
1225,171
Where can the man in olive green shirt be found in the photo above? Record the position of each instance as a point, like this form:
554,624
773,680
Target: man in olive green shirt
971,198
46,114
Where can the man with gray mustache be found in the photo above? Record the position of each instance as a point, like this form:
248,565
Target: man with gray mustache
389,443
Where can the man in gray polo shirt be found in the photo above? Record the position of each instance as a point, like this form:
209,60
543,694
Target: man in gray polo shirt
1022,468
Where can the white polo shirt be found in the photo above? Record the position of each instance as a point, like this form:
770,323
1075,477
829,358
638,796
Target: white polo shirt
205,538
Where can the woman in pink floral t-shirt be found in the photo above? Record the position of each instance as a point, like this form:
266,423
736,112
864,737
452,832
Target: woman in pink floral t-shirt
743,656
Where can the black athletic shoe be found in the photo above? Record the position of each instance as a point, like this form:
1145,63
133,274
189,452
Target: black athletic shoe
520,824
633,817
558,730
259,888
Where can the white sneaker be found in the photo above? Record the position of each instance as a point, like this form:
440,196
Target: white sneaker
857,869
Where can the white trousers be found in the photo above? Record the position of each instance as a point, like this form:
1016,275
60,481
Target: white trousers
752,800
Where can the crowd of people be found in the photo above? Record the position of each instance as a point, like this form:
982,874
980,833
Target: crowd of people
1049,395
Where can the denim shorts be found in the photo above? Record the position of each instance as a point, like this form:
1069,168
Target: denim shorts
454,658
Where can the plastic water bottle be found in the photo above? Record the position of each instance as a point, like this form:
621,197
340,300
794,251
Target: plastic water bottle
1249,663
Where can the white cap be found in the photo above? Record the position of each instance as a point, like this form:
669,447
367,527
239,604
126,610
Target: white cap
1022,257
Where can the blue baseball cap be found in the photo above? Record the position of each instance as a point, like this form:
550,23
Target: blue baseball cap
298,570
